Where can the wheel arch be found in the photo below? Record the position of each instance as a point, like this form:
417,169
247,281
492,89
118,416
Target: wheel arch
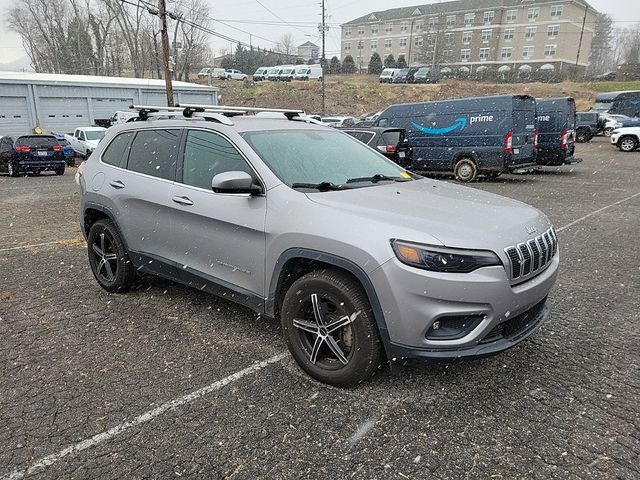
92,213
296,262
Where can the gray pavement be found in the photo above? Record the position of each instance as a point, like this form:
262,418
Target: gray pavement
78,363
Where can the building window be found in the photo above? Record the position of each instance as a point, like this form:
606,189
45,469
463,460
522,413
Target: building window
489,16
403,27
553,31
387,43
527,52
432,22
431,40
347,45
469,18
451,20
415,57
530,33
486,35
549,50
446,55
403,42
374,28
533,13
507,52
374,44
465,55
419,41
484,53
512,15
466,37
556,11
509,33
388,28
347,31
448,38
361,30
420,26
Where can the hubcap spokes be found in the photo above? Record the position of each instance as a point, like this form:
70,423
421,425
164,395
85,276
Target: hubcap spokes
105,258
321,331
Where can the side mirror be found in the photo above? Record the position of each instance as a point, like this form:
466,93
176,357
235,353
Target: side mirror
235,182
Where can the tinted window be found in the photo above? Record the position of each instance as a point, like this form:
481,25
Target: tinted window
207,154
154,152
391,137
364,137
36,141
116,152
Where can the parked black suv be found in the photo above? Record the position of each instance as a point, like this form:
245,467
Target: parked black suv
405,75
31,153
391,142
587,126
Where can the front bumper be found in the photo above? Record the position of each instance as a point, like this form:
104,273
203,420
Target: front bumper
413,300
614,138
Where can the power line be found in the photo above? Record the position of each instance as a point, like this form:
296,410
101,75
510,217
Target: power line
277,16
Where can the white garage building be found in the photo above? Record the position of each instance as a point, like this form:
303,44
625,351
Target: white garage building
60,103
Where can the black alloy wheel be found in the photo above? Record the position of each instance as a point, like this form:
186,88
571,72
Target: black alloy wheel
108,258
330,329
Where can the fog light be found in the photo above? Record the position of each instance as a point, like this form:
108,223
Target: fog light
453,327
436,325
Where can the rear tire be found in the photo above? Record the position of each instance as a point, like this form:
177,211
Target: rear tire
608,131
330,329
109,259
627,144
60,171
465,170
583,135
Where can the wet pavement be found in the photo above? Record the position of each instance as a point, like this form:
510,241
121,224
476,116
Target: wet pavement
97,385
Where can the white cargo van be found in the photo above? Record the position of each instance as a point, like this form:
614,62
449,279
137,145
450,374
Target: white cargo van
308,72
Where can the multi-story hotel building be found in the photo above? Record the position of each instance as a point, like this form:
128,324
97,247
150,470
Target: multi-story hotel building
521,34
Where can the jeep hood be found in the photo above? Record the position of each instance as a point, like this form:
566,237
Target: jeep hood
457,216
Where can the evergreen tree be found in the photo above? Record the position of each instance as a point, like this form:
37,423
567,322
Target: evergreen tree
390,62
402,62
348,65
375,64
334,65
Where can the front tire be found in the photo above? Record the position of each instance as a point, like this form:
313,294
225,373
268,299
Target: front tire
330,329
608,131
627,144
465,170
60,171
108,258
583,136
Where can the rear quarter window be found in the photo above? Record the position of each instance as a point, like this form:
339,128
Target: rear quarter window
117,152
154,153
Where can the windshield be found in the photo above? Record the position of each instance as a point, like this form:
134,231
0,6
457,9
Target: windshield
94,134
302,70
386,73
601,106
315,156
286,71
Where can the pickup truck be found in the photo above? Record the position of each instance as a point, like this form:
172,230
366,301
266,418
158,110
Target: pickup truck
232,74
84,140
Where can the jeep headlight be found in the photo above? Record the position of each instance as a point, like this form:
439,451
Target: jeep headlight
442,259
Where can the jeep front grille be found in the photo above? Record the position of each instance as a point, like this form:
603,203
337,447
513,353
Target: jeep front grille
532,256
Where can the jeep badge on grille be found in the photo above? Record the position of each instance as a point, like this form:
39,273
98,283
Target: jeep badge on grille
531,230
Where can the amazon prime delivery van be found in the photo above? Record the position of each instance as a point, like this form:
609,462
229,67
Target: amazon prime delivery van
556,123
469,136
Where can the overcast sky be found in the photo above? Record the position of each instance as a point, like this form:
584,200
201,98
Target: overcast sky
268,20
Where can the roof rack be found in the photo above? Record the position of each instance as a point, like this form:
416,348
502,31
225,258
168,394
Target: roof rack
216,113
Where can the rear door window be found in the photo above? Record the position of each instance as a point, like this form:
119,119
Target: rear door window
391,137
364,137
207,154
117,152
154,153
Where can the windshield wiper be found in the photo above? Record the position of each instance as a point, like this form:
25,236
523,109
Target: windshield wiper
322,186
377,178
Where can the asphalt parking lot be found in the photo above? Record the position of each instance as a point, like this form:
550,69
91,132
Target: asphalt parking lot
166,382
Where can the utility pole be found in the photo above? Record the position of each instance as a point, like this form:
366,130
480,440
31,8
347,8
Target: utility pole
162,13
584,21
323,60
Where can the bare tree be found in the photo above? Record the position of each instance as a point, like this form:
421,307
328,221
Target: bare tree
286,44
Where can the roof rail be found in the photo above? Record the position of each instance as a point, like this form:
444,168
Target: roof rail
288,112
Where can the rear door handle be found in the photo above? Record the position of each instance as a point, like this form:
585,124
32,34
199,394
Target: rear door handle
116,184
182,200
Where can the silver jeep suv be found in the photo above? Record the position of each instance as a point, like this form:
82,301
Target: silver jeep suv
358,258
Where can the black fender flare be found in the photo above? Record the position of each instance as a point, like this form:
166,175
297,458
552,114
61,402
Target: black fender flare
336,261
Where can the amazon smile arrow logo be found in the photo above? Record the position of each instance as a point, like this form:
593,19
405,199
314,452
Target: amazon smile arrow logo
459,124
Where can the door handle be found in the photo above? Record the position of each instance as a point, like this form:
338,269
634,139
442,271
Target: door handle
116,184
182,200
